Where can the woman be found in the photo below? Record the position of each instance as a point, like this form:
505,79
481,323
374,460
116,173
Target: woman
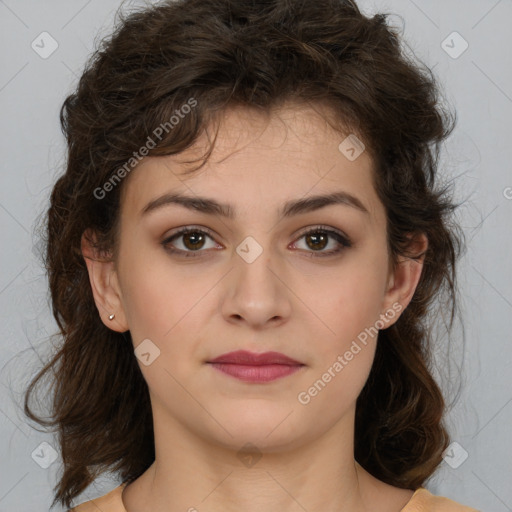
251,332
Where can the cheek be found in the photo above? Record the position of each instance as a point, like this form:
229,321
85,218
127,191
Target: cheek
349,303
344,354
161,299
147,289
335,388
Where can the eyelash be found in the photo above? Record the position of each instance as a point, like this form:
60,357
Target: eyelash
341,239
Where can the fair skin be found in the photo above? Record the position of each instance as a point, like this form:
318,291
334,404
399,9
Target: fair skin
288,300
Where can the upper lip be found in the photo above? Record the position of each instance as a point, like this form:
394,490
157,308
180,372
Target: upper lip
254,359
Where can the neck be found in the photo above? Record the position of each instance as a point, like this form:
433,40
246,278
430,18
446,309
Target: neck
192,473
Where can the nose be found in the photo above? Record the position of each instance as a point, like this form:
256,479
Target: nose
257,292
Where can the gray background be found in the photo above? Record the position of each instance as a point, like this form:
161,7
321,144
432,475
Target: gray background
477,83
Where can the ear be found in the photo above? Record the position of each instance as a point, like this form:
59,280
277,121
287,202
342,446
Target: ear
404,278
104,283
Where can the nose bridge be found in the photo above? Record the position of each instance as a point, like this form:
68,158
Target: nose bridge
256,290
254,263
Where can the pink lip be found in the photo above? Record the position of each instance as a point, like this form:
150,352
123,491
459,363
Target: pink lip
254,359
253,367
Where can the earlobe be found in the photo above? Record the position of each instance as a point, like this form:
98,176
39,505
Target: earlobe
404,279
104,284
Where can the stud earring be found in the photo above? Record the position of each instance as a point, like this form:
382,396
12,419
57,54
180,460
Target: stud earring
111,317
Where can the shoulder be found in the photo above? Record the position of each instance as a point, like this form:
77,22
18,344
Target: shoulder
110,502
424,501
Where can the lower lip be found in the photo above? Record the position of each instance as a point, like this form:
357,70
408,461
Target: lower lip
261,373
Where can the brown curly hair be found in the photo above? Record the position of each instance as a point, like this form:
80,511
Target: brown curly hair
258,54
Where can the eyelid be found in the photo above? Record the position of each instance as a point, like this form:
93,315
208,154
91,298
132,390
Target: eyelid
343,240
183,230
323,228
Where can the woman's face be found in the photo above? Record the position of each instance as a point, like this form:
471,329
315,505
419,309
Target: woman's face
254,281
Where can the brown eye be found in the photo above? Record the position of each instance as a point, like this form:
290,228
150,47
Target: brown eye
318,239
193,241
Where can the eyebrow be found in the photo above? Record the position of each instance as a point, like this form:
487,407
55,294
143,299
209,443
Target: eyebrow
290,208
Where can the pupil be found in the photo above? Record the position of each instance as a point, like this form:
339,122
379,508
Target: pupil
188,236
316,239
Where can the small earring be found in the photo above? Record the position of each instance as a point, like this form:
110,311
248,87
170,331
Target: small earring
111,317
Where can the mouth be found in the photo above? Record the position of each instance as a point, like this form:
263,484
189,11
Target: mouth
244,357
253,367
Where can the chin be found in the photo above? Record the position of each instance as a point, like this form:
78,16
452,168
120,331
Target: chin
269,427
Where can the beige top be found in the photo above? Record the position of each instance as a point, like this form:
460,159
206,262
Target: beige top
421,501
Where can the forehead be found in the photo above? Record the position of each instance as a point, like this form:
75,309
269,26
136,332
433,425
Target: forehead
261,159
